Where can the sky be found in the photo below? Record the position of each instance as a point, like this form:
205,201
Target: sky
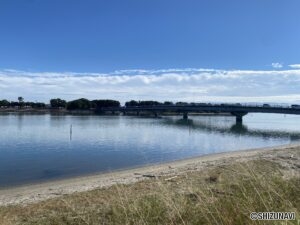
187,50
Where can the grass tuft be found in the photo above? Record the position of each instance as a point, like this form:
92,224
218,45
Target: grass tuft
222,195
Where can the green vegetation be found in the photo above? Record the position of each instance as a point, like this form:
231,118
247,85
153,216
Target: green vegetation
85,104
146,103
155,103
21,104
21,100
81,104
168,103
141,103
4,103
221,195
105,103
58,103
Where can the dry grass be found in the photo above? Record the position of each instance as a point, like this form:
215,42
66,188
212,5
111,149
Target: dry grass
221,195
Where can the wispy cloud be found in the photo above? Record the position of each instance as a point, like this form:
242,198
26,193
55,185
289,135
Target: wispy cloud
295,66
277,65
199,85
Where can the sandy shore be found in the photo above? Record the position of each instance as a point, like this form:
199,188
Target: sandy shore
38,192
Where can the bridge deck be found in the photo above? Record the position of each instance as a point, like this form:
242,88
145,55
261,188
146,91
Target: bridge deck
206,108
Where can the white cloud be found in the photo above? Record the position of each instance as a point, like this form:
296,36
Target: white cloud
295,66
197,85
277,65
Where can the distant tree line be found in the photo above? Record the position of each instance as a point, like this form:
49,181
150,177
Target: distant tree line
142,103
58,103
152,103
21,104
79,104
82,103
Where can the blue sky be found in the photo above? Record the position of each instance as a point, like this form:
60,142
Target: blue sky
94,38
103,36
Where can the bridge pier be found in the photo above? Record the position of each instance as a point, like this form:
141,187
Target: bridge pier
155,114
185,115
137,113
239,116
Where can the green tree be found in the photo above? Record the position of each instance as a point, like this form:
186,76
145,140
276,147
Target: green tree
131,103
4,103
105,103
81,104
168,103
21,101
58,103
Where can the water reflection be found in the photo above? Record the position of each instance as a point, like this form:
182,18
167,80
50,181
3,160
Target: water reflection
35,148
239,128
234,129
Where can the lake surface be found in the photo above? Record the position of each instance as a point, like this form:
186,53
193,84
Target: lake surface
36,148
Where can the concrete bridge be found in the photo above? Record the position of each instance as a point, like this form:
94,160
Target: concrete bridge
236,110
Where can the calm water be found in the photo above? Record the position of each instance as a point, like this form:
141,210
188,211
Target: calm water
35,148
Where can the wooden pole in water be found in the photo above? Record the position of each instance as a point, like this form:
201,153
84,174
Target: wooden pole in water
71,132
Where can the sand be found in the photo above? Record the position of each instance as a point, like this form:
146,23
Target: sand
38,192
